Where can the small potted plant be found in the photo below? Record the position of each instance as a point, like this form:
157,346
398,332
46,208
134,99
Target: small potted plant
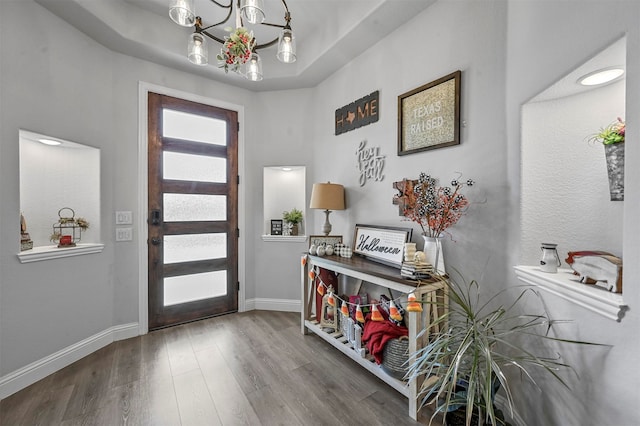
612,137
292,219
474,345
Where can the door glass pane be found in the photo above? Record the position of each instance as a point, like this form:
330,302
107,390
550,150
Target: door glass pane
194,207
191,127
201,168
189,288
190,247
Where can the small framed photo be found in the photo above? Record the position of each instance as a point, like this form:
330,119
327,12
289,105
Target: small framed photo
276,226
383,244
319,240
429,116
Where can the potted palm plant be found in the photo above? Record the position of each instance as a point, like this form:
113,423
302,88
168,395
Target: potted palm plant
464,364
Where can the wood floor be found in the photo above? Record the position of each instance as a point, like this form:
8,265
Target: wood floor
252,368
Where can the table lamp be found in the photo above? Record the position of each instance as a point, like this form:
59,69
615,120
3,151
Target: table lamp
327,196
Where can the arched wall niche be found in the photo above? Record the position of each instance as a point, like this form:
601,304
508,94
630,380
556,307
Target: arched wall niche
564,187
57,174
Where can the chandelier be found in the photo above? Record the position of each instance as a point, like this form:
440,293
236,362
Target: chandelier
239,49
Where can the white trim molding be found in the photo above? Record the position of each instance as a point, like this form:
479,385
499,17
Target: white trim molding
37,254
282,305
29,374
565,285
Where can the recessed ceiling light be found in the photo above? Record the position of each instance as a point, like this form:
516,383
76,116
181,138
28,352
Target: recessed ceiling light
600,77
49,142
287,169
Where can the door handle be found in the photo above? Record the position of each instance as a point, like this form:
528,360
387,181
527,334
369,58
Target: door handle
156,241
155,217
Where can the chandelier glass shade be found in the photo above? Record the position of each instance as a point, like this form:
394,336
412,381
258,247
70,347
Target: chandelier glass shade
254,68
198,53
181,12
239,49
253,11
286,46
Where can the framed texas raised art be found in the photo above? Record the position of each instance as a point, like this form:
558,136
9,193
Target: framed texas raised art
384,244
429,116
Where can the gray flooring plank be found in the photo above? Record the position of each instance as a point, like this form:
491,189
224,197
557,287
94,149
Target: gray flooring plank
251,368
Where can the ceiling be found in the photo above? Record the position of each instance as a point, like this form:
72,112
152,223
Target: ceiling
329,33
613,55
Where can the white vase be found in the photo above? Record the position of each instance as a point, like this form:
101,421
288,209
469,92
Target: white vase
433,252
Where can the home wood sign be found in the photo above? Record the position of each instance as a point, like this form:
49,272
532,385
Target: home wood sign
358,113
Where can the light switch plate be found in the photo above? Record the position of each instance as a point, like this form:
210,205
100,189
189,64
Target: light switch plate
124,218
124,234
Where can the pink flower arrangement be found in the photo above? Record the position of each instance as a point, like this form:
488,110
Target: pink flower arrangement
435,208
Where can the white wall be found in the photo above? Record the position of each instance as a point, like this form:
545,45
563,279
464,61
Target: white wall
59,86
546,40
71,87
283,136
478,249
565,188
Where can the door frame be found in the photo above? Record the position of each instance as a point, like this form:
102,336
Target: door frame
143,295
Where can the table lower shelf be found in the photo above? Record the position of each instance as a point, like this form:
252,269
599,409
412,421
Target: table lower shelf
337,340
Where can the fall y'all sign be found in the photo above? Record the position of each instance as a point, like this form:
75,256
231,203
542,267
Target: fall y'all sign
358,113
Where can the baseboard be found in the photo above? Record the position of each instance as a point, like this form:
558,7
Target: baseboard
29,374
283,305
503,404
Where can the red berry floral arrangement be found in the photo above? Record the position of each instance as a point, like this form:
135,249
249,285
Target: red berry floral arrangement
236,49
435,208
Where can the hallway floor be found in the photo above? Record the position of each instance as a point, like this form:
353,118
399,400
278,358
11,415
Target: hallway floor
252,368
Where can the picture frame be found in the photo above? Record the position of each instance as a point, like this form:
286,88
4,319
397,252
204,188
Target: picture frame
429,116
383,244
325,239
276,226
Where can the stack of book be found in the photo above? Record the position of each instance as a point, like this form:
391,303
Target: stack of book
416,270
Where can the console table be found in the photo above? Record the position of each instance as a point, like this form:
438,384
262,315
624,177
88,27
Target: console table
389,278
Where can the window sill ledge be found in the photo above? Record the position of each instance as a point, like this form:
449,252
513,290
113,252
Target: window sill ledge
37,254
565,285
284,238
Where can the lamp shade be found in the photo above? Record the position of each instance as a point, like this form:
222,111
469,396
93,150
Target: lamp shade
327,196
